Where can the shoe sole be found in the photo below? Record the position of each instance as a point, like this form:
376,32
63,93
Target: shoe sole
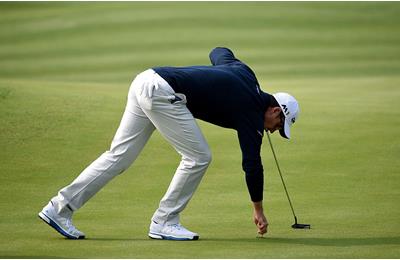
54,225
164,237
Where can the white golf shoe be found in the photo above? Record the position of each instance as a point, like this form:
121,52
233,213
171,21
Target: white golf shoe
63,225
171,232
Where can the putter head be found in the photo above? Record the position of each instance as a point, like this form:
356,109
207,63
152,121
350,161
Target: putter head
301,226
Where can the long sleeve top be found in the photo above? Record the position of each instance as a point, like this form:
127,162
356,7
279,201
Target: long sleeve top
227,94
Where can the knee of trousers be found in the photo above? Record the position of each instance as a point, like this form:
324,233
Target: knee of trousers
206,158
200,160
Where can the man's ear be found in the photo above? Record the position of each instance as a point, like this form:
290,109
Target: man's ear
276,110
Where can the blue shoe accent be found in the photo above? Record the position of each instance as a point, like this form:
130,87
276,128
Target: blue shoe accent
54,225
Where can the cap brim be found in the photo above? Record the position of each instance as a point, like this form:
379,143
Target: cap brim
285,132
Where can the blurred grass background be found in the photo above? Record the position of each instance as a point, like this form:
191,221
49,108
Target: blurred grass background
65,70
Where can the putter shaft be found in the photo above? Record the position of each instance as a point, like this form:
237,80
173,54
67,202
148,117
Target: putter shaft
295,225
280,174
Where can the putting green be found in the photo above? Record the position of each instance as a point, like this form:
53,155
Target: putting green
65,69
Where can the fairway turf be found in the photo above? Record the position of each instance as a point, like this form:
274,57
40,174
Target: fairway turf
65,70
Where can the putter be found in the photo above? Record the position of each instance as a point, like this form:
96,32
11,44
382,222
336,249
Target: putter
295,225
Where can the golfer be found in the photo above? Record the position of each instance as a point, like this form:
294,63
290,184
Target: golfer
169,99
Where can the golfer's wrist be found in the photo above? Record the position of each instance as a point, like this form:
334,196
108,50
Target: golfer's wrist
258,206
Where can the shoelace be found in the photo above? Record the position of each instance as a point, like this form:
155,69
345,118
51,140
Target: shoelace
69,225
176,226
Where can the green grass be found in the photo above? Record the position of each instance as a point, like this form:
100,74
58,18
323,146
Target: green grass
65,69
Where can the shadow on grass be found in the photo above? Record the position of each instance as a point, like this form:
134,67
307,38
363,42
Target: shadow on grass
30,257
342,242
145,239
114,239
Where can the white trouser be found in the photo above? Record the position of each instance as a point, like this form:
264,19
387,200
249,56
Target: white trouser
150,105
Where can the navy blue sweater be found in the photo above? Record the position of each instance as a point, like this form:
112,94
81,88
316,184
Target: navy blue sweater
227,94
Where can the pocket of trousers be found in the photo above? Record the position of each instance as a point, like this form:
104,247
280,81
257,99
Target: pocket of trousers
178,98
158,96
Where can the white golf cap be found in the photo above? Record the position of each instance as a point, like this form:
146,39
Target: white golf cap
290,108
